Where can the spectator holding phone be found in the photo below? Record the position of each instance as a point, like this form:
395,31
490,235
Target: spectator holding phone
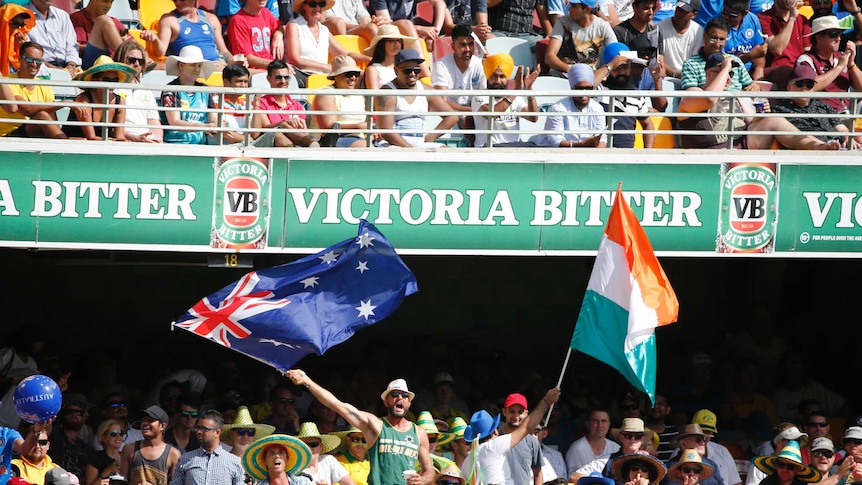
836,69
714,38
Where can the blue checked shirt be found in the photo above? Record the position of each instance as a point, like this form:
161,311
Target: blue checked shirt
199,467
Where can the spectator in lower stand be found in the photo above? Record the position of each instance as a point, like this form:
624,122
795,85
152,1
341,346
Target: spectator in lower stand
744,38
410,120
104,70
718,78
347,110
680,37
630,108
823,458
579,37
187,26
15,22
284,112
309,42
56,34
714,38
188,66
803,80
507,125
45,109
351,17
460,70
235,108
572,130
103,35
787,34
383,48
142,115
255,33
836,70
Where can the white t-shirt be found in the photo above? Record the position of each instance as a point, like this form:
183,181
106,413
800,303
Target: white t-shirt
579,456
506,125
140,108
349,10
677,47
329,470
492,460
447,74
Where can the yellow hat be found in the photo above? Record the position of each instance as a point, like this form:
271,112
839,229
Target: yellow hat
254,459
456,430
105,64
243,421
502,61
706,419
328,441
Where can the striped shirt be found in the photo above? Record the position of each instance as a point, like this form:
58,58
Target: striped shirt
199,467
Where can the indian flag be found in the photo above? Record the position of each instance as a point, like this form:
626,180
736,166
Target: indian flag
628,296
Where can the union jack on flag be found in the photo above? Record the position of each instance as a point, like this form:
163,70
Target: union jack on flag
281,314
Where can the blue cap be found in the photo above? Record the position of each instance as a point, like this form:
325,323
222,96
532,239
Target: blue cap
613,50
588,3
595,478
408,55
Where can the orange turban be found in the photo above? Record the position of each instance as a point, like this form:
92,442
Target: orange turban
502,61
8,48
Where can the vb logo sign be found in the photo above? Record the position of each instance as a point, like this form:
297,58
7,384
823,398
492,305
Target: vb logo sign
241,212
748,199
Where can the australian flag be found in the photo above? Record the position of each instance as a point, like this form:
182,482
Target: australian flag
281,314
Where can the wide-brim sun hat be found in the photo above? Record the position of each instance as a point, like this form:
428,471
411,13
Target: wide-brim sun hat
690,457
789,454
345,442
328,442
824,24
387,31
243,421
189,54
657,469
456,430
481,426
342,64
254,460
297,5
105,64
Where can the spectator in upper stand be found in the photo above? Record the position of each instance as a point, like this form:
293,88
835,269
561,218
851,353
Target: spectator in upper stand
679,37
255,33
141,109
630,108
15,22
579,37
186,26
400,12
694,75
56,34
640,23
513,18
580,454
226,9
309,42
836,70
410,120
103,70
470,12
348,107
383,48
288,113
104,34
460,70
744,38
803,80
46,110
351,17
787,37
188,66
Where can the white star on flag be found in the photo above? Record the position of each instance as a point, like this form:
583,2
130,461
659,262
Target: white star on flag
363,267
365,240
329,257
366,309
277,343
310,282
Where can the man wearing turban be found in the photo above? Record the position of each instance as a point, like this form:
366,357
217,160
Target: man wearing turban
498,69
566,130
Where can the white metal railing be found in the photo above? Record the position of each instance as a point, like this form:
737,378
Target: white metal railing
454,136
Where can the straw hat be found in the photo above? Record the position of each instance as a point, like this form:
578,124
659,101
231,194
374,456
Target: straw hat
105,64
690,457
456,430
328,442
342,64
243,421
254,461
189,54
297,5
789,454
657,468
345,442
387,31
450,471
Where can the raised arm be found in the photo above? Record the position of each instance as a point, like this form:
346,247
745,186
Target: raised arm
528,425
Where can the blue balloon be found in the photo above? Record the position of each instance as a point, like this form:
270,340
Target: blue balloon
38,399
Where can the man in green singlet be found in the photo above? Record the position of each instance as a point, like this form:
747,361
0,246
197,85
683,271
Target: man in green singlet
395,444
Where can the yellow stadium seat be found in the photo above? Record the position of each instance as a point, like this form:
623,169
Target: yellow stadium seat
150,11
316,81
806,11
353,43
215,79
426,80
662,140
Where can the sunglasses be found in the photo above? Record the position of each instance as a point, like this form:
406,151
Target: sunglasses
733,15
246,432
822,453
632,436
351,74
784,465
134,60
312,444
401,394
189,414
813,424
285,400
832,34
76,412
853,442
688,470
316,4
42,442
32,60
411,70
357,440
118,404
282,78
805,83
583,88
116,432
637,467
447,482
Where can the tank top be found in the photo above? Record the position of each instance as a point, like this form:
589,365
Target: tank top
316,50
392,453
198,33
411,116
153,471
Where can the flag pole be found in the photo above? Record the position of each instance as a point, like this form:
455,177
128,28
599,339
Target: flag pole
559,384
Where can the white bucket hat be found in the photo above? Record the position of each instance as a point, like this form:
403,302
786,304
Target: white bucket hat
189,54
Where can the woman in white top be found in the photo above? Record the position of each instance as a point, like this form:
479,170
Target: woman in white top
324,468
383,48
141,106
345,75
309,42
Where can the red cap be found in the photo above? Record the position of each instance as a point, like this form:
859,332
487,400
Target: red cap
18,481
516,399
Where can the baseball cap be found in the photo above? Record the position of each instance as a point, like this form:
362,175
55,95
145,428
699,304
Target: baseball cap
514,399
408,55
443,377
58,476
822,444
688,5
588,3
706,419
804,71
853,433
157,413
791,433
619,49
